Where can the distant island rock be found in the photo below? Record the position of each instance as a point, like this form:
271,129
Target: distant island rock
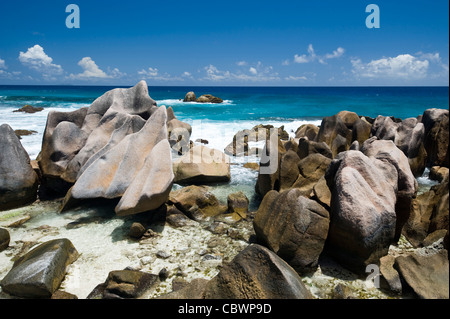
29,109
206,98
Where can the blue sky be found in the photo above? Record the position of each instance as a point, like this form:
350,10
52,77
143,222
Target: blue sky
257,43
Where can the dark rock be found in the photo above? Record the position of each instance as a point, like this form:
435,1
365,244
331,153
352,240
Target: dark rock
436,122
307,130
390,276
293,226
20,133
330,128
238,204
208,98
269,169
4,239
197,202
39,273
439,173
256,273
193,290
361,130
312,168
307,147
29,109
426,275
202,141
342,291
59,294
137,230
127,284
18,181
289,170
349,118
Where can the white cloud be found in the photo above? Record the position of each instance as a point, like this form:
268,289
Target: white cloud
36,59
403,66
242,63
91,70
296,78
285,62
312,56
187,74
2,64
150,72
257,73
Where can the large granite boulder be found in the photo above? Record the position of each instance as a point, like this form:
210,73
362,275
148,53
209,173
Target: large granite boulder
269,170
406,185
307,147
363,218
202,165
256,273
307,130
332,127
39,273
178,132
408,136
18,181
361,130
436,122
138,169
292,226
208,98
312,168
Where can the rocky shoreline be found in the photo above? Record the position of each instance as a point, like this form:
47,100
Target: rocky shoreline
338,213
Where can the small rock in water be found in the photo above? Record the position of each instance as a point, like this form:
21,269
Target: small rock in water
29,109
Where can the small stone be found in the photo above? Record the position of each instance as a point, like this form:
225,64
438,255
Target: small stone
4,239
162,254
137,230
163,274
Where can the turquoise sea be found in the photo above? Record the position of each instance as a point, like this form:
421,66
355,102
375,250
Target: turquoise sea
243,107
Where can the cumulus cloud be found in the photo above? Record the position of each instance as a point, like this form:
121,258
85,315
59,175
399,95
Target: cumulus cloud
2,64
36,59
403,66
253,71
242,63
312,56
91,71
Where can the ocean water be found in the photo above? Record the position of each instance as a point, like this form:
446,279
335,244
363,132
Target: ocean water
243,107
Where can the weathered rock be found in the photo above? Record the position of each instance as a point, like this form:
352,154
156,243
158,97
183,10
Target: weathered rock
438,173
289,170
361,130
176,218
63,295
124,284
4,239
426,275
240,144
197,202
363,217
20,133
208,98
307,147
390,275
256,273
138,169
436,122
238,204
429,212
190,97
339,144
63,139
253,166
193,290
179,133
406,185
269,169
29,109
39,273
202,165
18,181
349,118
136,230
330,128
322,193
408,136
307,130
312,168
293,226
